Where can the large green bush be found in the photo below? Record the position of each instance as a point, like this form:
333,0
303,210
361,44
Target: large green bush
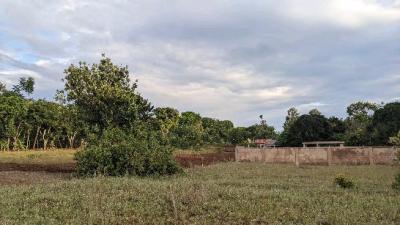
117,153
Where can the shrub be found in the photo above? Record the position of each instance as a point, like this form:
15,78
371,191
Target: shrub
344,182
117,153
396,183
397,159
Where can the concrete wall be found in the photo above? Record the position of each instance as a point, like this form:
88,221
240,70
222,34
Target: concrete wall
317,156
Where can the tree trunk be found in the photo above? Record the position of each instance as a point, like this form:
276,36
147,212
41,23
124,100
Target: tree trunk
36,138
59,142
44,139
8,144
16,136
71,140
23,140
27,139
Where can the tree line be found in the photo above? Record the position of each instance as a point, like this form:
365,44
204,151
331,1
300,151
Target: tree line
27,123
102,96
367,124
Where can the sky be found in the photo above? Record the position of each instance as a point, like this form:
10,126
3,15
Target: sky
233,59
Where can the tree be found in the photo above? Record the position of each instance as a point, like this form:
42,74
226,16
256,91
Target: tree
259,131
13,109
239,135
216,131
2,88
291,117
167,119
105,95
385,123
189,131
357,123
72,126
25,84
314,112
225,127
338,127
122,139
361,109
262,130
309,128
262,121
45,118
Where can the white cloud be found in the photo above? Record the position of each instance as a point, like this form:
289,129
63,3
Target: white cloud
42,62
10,77
308,106
226,59
352,14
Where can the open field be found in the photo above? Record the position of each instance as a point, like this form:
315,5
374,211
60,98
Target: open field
32,177
61,160
57,160
225,193
55,156
58,156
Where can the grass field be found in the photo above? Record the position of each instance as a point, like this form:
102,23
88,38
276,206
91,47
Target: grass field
55,156
226,193
58,156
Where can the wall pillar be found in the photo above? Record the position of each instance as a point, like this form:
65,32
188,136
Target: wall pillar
296,157
263,153
236,154
370,156
329,156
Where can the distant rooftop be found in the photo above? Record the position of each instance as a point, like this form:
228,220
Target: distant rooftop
324,143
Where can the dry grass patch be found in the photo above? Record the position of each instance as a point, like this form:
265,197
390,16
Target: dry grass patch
55,156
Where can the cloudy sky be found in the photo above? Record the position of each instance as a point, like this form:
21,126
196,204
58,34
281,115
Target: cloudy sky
232,59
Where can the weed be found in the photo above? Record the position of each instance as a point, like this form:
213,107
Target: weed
396,183
344,182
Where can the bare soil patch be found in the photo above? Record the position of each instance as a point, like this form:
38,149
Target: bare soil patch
191,160
50,168
33,173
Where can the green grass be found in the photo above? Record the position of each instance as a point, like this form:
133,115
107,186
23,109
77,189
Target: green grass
38,157
226,193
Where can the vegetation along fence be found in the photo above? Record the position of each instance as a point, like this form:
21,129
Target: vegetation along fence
318,156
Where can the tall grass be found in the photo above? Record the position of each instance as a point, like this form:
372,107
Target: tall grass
227,193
